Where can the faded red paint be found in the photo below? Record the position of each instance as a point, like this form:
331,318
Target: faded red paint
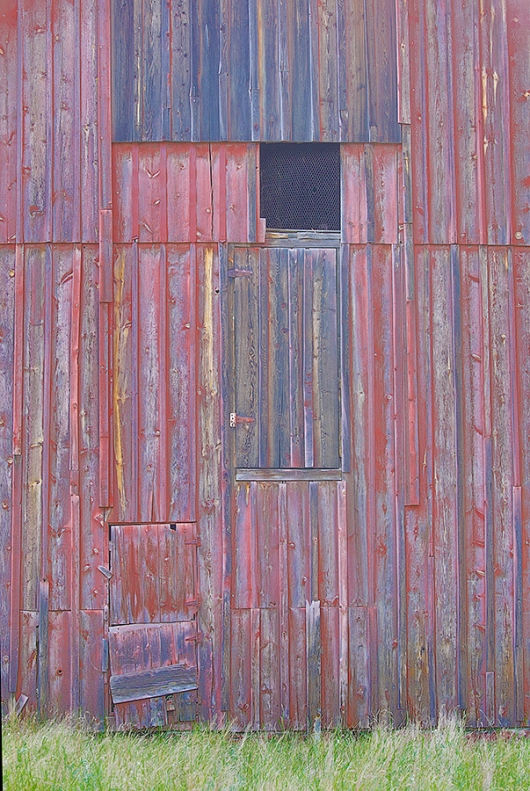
398,590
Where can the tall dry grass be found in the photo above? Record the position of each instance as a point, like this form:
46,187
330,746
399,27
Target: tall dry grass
62,756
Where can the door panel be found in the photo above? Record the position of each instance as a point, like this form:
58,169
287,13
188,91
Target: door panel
286,358
153,629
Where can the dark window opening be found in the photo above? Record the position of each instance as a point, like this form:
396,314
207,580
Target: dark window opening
300,186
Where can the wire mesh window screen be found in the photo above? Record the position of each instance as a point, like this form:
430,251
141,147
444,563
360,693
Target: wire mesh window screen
300,186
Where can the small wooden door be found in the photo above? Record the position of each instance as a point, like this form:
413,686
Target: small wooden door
286,394
153,626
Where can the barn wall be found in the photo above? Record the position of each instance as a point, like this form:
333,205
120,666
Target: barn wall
113,332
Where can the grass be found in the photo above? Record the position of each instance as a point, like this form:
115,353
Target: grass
61,757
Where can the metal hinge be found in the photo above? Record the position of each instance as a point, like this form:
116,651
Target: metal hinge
197,638
235,419
193,542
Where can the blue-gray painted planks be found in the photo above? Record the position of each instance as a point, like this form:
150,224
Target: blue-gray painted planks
268,70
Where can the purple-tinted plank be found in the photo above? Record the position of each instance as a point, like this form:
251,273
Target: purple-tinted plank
504,461
91,675
468,145
518,31
151,193
123,387
88,120
181,383
495,68
474,505
354,195
328,557
241,702
269,700
297,681
93,535
58,507
418,119
10,512
33,422
60,683
330,635
298,544
8,122
403,57
151,268
244,592
27,663
125,178
66,199
268,545
179,205
36,184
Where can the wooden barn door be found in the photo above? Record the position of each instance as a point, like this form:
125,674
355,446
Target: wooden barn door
153,626
288,495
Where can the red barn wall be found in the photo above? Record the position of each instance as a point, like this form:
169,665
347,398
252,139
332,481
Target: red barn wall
113,403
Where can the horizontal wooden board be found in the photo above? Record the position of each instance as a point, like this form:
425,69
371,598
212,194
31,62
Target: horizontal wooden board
152,683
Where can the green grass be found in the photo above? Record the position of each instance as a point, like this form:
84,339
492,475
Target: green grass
59,756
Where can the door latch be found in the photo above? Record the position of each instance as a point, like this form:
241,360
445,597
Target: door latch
235,419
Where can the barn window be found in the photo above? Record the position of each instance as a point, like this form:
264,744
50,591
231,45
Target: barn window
300,186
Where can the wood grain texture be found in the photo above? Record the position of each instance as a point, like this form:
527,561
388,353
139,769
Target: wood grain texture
267,70
9,127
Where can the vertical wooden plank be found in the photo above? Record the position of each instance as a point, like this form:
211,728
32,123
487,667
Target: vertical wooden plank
214,560
240,670
494,61
88,117
239,112
314,664
151,194
300,67
328,70
208,28
27,664
328,549
326,350
330,638
203,194
153,46
35,130
445,515
10,511
181,414
9,127
296,335
518,26
244,547
385,194
246,357
92,679
344,637
403,59
418,124
468,144
521,267
499,265
267,545
269,72
58,514
178,193
93,534
66,206
180,79
380,27
149,383
278,360
125,191
383,471
123,70
297,683
352,67
299,544
33,422
238,197
60,680
354,221
285,86
104,45
123,394
269,700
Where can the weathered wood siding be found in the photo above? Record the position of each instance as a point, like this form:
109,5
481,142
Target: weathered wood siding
400,590
270,70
